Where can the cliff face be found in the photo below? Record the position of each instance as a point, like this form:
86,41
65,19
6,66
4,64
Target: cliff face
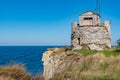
53,62
58,60
62,64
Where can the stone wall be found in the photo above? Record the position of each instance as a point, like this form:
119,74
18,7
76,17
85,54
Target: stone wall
95,18
94,21
95,37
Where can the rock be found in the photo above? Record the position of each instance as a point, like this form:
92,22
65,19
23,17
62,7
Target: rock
51,61
58,60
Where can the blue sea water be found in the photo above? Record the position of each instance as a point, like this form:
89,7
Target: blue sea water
29,56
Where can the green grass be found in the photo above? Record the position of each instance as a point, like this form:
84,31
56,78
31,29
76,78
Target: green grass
107,53
103,79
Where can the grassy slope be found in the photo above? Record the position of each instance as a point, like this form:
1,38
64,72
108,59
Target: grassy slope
107,53
92,65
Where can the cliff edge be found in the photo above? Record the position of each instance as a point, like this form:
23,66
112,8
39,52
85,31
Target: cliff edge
63,64
53,61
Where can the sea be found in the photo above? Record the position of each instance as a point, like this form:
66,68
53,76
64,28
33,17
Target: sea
28,56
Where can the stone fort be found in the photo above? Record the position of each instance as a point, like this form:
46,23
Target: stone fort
90,32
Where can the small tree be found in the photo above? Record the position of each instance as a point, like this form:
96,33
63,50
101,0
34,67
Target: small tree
118,42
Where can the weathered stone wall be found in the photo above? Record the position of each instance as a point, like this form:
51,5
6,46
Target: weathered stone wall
96,37
95,18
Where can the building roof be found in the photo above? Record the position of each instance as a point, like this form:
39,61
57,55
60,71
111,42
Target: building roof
91,12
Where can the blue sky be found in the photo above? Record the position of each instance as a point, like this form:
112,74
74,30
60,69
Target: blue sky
48,22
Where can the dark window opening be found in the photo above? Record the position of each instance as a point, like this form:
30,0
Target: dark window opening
89,18
79,41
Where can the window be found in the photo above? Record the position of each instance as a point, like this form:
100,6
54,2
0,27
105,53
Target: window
88,18
79,41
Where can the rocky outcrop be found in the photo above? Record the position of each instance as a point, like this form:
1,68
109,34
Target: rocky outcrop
58,59
52,60
63,64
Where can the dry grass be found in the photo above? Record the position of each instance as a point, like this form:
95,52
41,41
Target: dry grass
91,67
17,72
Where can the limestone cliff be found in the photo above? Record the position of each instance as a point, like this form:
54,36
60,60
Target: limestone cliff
58,59
62,64
52,60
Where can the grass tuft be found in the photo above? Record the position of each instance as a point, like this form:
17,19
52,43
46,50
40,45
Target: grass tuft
17,72
107,53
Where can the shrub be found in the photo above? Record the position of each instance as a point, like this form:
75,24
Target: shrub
17,72
118,42
67,47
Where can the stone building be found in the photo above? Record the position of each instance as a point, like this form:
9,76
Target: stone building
90,33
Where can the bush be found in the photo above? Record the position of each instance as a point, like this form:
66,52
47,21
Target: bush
118,45
17,72
118,42
67,47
